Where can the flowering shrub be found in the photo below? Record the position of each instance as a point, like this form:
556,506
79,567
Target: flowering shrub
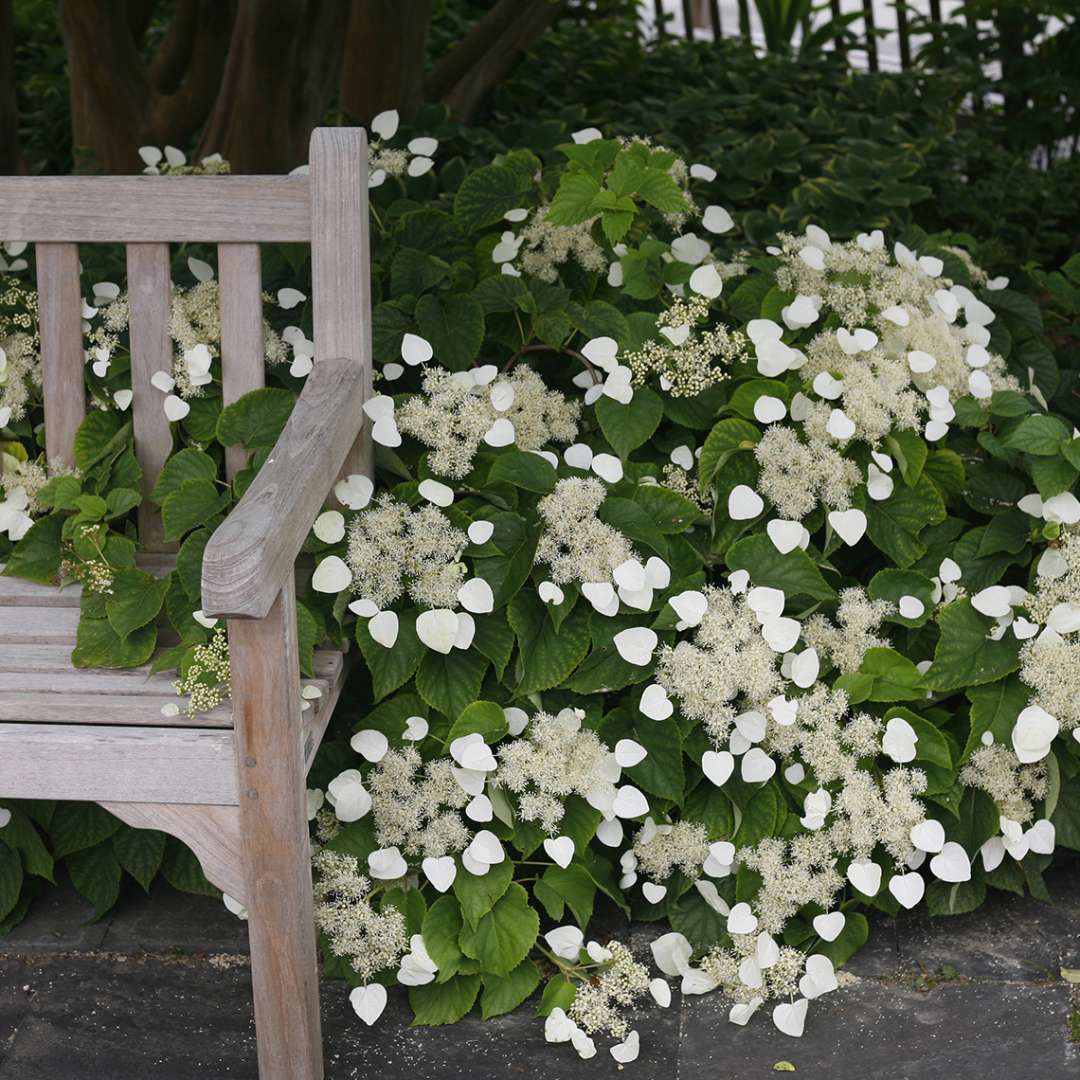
733,588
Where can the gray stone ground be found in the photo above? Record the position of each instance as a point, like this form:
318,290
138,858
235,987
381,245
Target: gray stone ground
160,989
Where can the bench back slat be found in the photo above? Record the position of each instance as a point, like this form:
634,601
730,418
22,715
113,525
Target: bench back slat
60,325
242,348
150,302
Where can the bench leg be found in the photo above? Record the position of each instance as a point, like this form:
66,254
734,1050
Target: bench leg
274,837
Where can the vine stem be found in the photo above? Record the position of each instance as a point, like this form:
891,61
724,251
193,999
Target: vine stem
562,351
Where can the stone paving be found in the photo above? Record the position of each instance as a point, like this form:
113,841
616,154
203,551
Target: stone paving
160,990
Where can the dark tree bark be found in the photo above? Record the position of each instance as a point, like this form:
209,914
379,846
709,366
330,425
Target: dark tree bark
10,161
487,54
384,58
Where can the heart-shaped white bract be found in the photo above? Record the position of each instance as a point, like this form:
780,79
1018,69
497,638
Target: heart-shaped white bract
690,606
1041,837
486,848
742,920
440,872
717,765
385,124
629,753
368,1002
479,808
707,282
550,593
744,503
907,889
627,1050
416,350
661,992
951,864
629,802
785,535
849,525
437,629
825,385
802,312
839,425
899,740
671,953
471,752
607,467
865,876
347,795
476,596
558,1027
920,362
329,527
332,575
928,836
200,617
565,942
780,633
741,1012
820,977
122,398
655,703
560,850
791,1018
354,491
289,298
911,607
829,926
436,492
756,766
1035,729
370,744
416,729
653,893
480,532
501,433
805,668
601,594
879,485
176,408
635,645
387,864
769,410
383,628
992,601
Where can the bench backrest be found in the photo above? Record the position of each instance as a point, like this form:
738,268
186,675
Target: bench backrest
327,208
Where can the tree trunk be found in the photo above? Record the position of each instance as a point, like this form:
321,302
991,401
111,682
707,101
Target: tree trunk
280,76
486,55
10,161
384,58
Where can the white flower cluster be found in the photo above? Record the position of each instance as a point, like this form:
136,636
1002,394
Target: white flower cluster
662,849
370,940
393,549
542,248
857,620
20,364
459,411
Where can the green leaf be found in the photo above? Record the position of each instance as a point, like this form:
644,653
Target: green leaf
193,503
11,880
391,668
931,745
558,994
413,272
60,492
573,202
892,584
454,325
546,656
505,935
443,1003
945,899
626,427
761,815
450,683
442,925
485,195
21,835
101,435
186,464
994,708
659,190
139,852
182,870
99,645
965,656
690,915
515,543
255,421
852,938
76,826
504,993
910,452
671,512
794,572
894,524
478,894
888,677
524,470
95,873
36,557
484,717
136,600
1039,434
575,887
726,438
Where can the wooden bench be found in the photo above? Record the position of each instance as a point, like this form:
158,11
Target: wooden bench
231,783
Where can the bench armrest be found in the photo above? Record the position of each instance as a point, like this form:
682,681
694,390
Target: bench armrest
251,554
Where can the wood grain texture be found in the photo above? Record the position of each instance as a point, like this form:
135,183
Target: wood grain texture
340,262
166,209
47,626
251,554
150,300
212,832
129,764
242,349
273,821
62,356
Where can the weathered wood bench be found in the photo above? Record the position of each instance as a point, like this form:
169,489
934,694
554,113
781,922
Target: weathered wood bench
230,784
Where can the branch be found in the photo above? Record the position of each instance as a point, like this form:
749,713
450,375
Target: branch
10,161
485,56
173,53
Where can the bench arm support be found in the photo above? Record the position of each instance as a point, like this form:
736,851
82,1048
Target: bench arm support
251,555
